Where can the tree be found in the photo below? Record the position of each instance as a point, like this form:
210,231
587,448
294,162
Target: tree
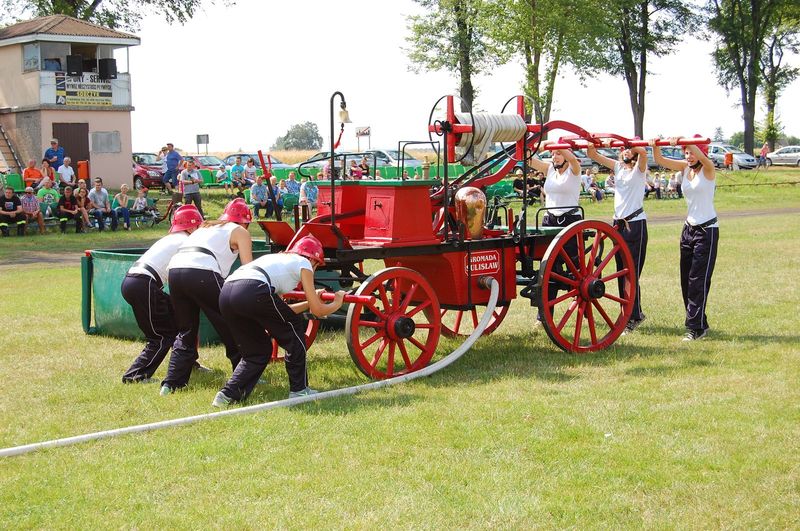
546,35
450,36
637,30
719,136
300,136
785,38
117,14
742,28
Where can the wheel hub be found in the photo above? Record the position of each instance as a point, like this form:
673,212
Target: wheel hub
593,288
401,327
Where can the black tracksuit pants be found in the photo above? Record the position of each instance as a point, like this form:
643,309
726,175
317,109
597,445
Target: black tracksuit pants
192,290
698,256
570,247
256,315
635,235
153,311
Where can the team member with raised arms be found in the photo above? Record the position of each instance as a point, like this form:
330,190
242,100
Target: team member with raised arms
562,188
252,306
143,289
700,235
629,216
196,275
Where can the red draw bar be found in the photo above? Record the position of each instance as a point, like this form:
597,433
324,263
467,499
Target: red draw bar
329,296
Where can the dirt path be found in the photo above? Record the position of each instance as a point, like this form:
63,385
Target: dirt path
45,259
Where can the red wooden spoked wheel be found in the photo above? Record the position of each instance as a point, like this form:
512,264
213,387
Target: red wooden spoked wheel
595,294
395,335
461,323
311,335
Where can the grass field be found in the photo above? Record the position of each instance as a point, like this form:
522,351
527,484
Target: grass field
652,432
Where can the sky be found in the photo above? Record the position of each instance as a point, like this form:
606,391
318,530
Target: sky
243,74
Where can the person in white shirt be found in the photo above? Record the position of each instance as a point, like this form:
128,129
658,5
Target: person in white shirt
700,236
196,274
562,188
629,216
66,174
142,288
251,304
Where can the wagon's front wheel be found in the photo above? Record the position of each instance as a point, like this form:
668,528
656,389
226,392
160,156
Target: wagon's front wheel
397,334
592,284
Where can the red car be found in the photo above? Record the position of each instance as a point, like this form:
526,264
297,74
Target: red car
204,162
146,171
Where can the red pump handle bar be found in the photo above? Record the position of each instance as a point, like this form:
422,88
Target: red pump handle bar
329,296
630,143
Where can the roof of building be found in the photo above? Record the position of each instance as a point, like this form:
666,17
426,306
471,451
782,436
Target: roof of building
63,28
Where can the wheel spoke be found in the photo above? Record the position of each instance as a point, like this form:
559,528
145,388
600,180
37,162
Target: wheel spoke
427,326
384,297
390,360
564,256
581,251
566,316
370,324
607,259
567,295
374,309
416,343
563,279
475,318
373,339
618,274
576,339
379,352
590,324
614,298
459,315
407,299
598,238
403,352
600,309
418,309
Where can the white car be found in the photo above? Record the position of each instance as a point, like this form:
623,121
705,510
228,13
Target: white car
789,155
741,160
391,157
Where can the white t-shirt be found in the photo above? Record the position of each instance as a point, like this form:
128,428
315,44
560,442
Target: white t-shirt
67,174
159,255
628,191
562,190
699,194
250,172
283,270
216,239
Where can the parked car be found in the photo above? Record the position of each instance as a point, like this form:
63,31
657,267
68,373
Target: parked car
204,162
146,171
789,155
230,160
320,159
741,160
391,157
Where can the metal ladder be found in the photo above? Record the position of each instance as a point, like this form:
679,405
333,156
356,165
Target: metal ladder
9,160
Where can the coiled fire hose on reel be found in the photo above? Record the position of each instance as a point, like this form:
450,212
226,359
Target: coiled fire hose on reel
427,371
488,128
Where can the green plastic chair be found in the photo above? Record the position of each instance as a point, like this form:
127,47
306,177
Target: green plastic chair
289,201
15,180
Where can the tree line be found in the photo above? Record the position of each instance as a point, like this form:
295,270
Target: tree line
752,41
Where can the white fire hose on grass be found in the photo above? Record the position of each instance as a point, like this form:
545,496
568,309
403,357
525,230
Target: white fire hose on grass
427,371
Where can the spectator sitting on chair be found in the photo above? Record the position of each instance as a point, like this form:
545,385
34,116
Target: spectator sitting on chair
191,179
68,209
101,206
141,206
250,172
237,176
66,174
259,197
30,205
675,184
278,195
282,187
47,171
225,180
84,205
308,192
48,196
54,154
590,186
122,206
291,183
650,186
11,213
32,175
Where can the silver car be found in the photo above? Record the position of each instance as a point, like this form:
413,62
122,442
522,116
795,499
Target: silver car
741,160
789,155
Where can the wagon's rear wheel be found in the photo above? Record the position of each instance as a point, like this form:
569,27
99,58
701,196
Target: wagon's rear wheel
310,336
595,274
396,334
461,323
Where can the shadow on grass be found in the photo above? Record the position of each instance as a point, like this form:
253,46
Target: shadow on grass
668,370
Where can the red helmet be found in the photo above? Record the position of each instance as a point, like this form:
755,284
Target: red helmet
310,247
186,217
702,147
237,211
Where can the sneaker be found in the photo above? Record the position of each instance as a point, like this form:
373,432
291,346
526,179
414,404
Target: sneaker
166,390
222,400
632,325
305,392
200,368
693,334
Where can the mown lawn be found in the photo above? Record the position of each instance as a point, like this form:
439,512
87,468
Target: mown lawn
652,432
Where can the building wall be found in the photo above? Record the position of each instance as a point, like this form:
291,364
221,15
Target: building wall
25,131
17,89
116,167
